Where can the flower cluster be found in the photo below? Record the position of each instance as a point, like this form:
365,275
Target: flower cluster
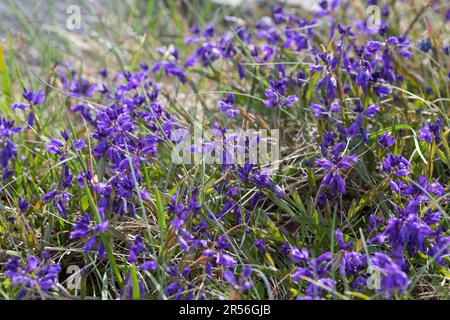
8,150
35,273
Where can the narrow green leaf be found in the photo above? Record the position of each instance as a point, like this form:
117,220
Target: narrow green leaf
160,208
6,87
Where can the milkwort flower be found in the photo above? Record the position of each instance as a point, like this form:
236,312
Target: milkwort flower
127,290
396,165
352,263
138,249
241,284
123,147
326,111
357,127
439,250
83,228
386,140
424,44
334,166
60,196
328,80
36,273
261,245
184,208
414,231
376,67
420,190
299,255
275,95
180,286
408,229
207,53
314,277
34,99
430,132
58,147
393,281
134,123
343,245
76,86
220,258
169,63
8,150
23,205
259,178
226,106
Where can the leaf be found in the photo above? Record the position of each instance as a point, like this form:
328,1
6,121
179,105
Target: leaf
134,278
357,295
160,208
84,203
359,245
312,87
4,74
269,258
138,51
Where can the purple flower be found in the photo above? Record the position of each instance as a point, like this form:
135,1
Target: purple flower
243,283
431,131
386,140
341,242
149,265
226,260
382,91
396,164
330,83
18,105
333,168
299,256
34,98
136,248
372,110
319,111
301,273
170,69
222,243
392,279
373,46
362,80
79,144
54,146
353,262
261,245
35,273
8,150
226,106
425,44
23,205
275,95
408,229
221,258
82,229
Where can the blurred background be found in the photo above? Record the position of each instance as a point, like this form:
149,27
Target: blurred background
98,34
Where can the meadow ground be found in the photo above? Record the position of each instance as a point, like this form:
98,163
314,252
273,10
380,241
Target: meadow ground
201,150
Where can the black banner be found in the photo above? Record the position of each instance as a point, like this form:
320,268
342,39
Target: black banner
221,309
